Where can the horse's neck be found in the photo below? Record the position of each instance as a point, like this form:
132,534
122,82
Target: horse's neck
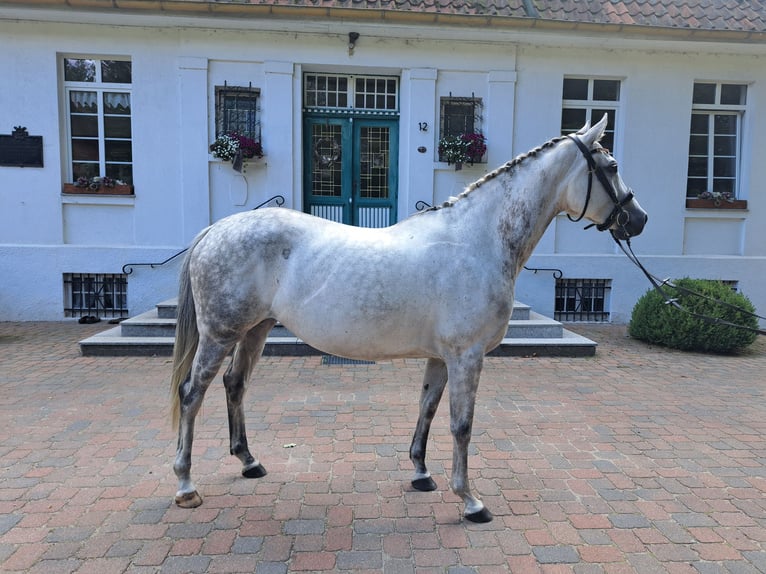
530,197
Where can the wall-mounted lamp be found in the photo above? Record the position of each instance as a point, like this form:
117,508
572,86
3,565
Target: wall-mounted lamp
352,38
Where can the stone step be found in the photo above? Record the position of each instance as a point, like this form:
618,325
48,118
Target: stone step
168,310
149,324
112,343
153,332
161,322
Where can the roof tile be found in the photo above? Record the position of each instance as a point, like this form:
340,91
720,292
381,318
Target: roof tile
715,15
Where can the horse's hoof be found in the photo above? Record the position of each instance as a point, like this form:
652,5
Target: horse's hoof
480,517
256,471
425,484
188,499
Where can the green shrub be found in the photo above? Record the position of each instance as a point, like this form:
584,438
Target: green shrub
656,322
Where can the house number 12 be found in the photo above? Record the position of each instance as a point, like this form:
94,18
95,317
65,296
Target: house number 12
423,126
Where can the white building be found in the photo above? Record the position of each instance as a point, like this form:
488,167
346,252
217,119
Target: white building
349,101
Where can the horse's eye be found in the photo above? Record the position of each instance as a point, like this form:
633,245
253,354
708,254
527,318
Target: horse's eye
612,166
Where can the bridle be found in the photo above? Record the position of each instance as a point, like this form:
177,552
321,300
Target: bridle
622,217
618,214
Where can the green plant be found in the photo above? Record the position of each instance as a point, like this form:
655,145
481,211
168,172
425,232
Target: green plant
654,321
227,146
463,148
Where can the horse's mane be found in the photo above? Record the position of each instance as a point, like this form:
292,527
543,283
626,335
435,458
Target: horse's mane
507,167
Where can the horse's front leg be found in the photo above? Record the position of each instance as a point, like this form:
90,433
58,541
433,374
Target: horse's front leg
207,361
463,384
433,387
235,381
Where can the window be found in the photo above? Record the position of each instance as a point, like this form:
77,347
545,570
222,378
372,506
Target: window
377,93
97,295
458,116
587,100
237,110
715,139
582,300
98,114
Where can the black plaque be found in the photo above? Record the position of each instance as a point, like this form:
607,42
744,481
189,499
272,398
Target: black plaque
21,149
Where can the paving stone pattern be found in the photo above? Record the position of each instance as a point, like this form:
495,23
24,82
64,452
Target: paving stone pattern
639,459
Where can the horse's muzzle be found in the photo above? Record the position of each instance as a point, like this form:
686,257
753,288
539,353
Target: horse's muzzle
629,223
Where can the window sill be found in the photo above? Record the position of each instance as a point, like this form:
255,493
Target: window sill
453,166
97,199
694,203
72,189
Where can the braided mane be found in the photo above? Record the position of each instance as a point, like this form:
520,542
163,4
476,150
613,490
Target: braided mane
507,167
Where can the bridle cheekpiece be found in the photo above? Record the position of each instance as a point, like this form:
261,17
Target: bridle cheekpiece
618,214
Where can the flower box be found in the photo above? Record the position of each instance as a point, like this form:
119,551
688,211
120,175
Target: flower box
117,189
696,203
463,148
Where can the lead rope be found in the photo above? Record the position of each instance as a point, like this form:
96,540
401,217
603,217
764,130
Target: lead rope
672,301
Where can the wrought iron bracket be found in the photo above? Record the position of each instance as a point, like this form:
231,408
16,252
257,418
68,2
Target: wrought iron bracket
557,273
127,269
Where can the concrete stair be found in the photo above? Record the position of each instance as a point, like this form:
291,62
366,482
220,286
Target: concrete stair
153,332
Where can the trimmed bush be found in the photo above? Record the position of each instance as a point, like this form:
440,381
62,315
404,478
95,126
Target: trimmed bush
654,321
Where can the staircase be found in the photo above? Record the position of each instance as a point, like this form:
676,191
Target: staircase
152,333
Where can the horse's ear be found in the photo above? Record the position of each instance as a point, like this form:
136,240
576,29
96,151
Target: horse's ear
592,135
583,129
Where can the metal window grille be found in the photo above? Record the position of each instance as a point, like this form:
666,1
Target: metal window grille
583,300
237,110
459,116
98,295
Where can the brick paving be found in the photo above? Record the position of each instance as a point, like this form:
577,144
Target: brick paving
639,459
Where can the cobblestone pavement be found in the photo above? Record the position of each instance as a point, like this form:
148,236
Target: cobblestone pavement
639,459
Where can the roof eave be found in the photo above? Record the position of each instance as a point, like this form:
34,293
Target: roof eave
246,10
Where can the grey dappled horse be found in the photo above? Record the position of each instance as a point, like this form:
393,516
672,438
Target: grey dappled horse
438,285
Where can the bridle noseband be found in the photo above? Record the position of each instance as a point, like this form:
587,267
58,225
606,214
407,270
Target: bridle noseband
618,214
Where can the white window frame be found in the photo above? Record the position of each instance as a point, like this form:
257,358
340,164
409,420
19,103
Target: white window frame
590,105
351,93
100,88
713,110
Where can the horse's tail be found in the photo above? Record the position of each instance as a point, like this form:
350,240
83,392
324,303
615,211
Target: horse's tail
187,335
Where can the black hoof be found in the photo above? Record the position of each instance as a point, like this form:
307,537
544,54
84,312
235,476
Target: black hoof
255,472
426,484
480,517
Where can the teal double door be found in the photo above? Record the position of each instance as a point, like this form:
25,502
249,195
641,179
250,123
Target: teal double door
350,169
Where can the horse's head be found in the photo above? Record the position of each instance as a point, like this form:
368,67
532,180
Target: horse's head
605,200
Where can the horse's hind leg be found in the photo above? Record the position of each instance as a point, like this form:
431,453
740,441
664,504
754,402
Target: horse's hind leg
433,387
207,361
246,355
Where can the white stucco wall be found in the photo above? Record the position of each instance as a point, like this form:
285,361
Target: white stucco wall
180,188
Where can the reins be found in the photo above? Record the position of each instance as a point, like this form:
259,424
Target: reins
658,285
